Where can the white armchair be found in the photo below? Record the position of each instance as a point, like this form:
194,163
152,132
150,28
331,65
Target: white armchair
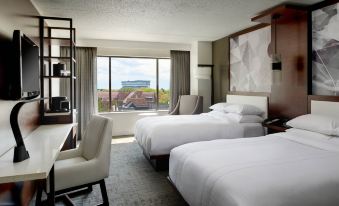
88,164
188,104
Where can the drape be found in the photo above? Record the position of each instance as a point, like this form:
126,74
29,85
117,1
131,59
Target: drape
86,74
180,76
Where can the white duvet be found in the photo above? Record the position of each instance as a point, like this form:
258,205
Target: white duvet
158,135
285,169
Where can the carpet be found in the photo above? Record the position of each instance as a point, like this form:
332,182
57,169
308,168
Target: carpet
132,181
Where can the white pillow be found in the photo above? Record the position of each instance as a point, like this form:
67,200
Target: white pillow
316,123
220,106
245,118
244,109
219,115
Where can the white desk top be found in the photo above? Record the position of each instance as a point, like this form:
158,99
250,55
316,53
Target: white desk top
43,145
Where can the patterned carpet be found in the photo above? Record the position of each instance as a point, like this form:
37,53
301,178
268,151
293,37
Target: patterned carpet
132,181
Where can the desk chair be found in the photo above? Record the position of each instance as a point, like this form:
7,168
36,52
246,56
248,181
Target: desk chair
88,164
188,104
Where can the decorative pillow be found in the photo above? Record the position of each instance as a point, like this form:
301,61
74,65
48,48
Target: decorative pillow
244,109
220,106
316,123
245,118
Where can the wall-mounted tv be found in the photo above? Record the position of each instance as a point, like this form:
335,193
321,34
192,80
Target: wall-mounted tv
24,72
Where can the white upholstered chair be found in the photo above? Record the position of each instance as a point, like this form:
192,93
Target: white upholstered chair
89,163
188,104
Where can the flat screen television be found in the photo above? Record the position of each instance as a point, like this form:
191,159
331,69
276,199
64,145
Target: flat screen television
24,72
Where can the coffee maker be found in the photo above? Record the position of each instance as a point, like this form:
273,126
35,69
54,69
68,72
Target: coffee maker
59,104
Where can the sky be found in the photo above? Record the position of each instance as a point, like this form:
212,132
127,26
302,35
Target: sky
124,69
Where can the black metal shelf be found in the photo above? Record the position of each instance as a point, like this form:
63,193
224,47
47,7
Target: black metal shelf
59,77
60,58
47,58
61,28
61,41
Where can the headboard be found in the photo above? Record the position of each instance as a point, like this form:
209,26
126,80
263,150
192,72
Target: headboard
259,101
325,108
324,105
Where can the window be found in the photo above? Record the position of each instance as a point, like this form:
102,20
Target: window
126,83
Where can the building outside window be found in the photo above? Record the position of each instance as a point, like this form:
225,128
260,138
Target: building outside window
128,84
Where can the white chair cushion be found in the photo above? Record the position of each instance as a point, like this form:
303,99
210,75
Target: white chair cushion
68,174
68,162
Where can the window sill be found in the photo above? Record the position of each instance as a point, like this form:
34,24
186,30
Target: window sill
134,112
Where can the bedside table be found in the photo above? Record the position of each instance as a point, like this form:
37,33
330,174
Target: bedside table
275,127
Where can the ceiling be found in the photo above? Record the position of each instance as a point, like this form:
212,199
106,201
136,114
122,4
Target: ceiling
180,21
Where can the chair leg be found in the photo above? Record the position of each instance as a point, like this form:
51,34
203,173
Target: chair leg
104,193
90,188
38,194
67,201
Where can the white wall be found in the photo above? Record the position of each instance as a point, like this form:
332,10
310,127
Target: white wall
201,53
123,122
18,14
204,78
194,68
204,52
132,48
15,14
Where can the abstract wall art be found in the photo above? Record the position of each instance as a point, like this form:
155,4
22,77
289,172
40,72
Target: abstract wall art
325,51
250,63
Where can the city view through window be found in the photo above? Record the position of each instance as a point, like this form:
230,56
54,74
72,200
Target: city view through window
134,84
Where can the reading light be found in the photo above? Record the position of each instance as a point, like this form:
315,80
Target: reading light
276,58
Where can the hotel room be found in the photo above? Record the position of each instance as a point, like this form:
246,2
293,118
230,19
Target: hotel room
169,103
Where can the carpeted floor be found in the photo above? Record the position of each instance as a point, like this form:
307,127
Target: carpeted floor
132,180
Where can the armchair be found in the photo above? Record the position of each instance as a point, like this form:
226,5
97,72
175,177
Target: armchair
188,104
88,164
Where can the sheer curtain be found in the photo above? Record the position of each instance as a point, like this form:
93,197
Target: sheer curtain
86,74
180,76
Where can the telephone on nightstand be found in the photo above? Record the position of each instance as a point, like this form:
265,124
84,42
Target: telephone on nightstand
276,121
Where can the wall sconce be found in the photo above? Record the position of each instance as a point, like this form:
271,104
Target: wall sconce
276,68
276,58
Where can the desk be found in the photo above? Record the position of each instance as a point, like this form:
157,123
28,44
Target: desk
44,145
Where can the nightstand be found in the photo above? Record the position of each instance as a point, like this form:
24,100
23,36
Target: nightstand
275,127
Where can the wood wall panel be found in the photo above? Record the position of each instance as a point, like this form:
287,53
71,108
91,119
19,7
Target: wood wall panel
289,97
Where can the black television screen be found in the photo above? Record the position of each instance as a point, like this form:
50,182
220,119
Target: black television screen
30,68
25,83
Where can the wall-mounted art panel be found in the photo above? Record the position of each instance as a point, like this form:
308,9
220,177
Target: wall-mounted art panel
250,63
325,51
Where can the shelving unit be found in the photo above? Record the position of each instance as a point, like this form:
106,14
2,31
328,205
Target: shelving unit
51,39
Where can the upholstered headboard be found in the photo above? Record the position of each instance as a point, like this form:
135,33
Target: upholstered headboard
324,105
325,108
259,101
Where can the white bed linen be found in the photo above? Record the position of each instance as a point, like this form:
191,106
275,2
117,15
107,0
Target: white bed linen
284,169
158,135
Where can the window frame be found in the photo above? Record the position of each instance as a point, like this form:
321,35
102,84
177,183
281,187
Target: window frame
110,80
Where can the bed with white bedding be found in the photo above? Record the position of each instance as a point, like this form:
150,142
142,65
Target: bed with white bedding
284,169
294,168
158,135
